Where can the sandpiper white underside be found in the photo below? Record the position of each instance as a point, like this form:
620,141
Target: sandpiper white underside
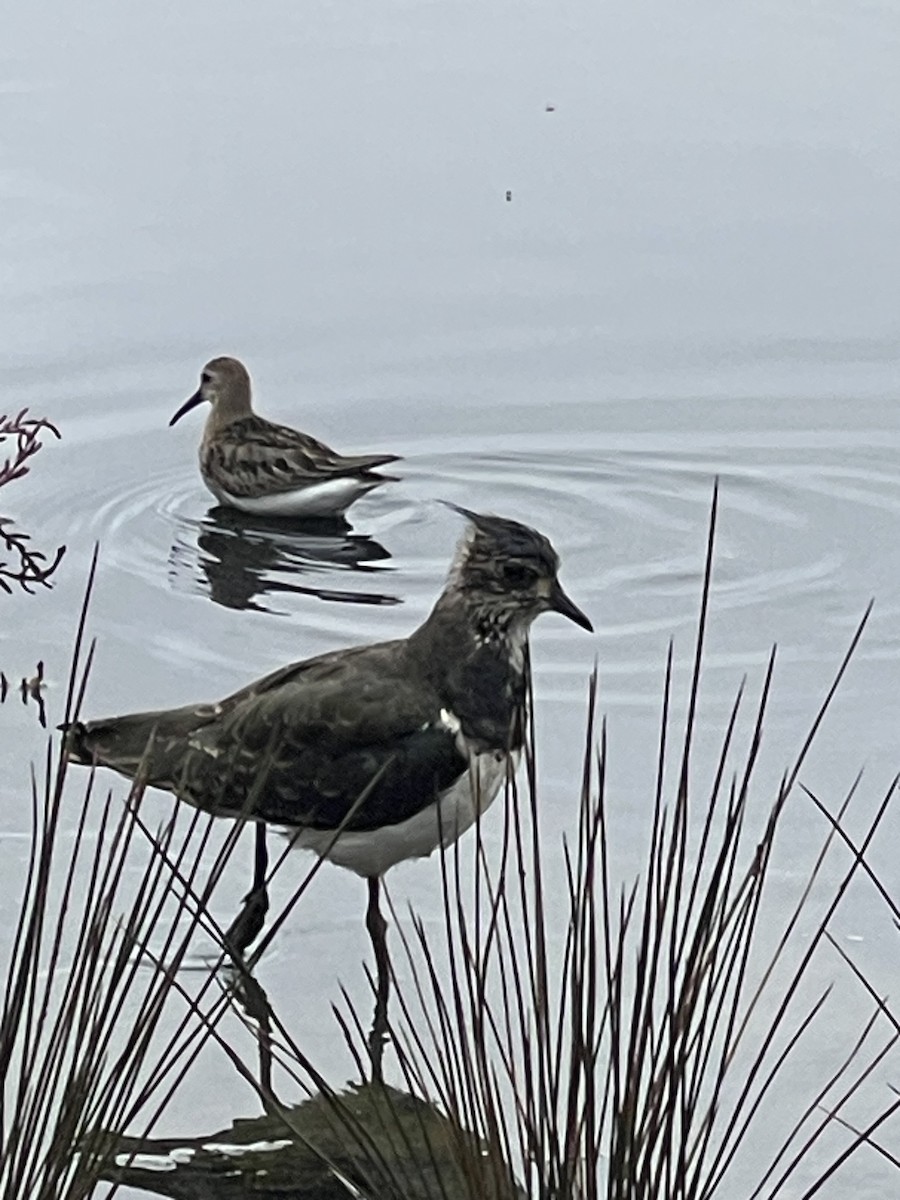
372,852
328,499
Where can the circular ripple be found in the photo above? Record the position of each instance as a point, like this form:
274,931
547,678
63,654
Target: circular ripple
163,529
629,522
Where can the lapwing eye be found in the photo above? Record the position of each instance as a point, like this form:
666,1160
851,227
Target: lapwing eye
517,575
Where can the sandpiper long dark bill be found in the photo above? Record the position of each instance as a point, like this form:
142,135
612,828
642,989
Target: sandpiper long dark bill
375,754
259,467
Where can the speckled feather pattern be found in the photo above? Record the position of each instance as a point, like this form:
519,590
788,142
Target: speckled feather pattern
253,457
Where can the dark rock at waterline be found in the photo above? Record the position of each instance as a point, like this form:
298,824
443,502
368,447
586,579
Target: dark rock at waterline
385,1143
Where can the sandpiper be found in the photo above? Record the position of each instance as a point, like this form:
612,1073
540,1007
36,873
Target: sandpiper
375,754
259,467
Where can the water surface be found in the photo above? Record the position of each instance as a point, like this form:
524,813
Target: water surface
694,277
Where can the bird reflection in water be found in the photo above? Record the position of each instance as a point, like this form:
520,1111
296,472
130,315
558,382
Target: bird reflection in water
240,560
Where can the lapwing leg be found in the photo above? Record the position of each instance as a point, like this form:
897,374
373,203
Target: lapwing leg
248,924
241,933
377,927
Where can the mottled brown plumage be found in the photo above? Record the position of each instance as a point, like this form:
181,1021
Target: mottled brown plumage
252,456
262,467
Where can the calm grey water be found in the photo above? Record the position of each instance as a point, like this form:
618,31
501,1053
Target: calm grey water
695,275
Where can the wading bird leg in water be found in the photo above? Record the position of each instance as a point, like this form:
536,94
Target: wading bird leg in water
377,927
248,924
241,933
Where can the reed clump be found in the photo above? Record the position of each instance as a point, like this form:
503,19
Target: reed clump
97,1030
634,1040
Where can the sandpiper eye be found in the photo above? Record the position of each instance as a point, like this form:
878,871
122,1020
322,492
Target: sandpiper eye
516,575
206,377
